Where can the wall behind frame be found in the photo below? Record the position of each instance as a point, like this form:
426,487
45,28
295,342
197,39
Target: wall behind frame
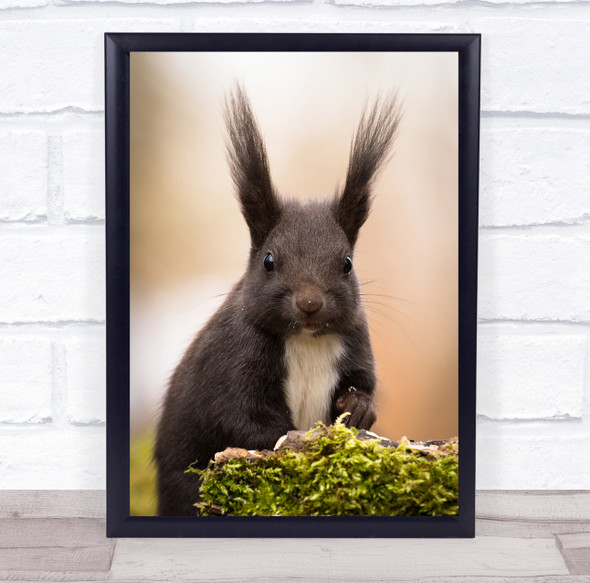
533,380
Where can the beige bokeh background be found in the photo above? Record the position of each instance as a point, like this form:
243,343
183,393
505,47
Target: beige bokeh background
189,243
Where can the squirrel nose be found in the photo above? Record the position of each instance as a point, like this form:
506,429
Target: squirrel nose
309,303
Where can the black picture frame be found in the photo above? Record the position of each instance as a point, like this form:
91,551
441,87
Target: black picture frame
118,47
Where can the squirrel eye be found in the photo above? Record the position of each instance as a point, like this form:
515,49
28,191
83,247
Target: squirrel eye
347,264
269,262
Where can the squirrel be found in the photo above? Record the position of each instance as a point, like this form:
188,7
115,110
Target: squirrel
290,344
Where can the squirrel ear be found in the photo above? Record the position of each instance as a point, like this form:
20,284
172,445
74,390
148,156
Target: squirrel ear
249,167
370,149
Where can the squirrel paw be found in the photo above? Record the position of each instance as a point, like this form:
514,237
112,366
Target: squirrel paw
361,408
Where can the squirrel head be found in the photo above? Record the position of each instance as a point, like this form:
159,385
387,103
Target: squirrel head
300,275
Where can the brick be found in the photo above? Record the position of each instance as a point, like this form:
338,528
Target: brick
512,49
531,176
527,64
23,3
279,25
174,2
52,276
83,175
531,462
26,366
23,176
418,3
534,277
394,3
85,373
51,458
530,377
55,64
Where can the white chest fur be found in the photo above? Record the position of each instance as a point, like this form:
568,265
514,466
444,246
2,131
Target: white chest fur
312,375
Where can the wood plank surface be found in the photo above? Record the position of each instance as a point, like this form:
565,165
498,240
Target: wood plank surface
575,541
59,576
557,505
75,558
332,560
220,579
32,545
52,503
51,532
575,549
484,579
527,514
537,537
527,528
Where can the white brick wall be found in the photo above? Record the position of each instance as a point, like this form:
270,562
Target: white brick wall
83,175
534,175
525,276
24,188
51,64
85,365
534,365
526,376
53,274
27,374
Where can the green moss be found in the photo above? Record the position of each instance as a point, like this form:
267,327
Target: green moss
142,477
334,474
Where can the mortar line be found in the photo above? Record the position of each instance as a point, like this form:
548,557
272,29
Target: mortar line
564,231
63,111
55,202
569,419
579,221
58,385
98,114
488,322
537,115
57,325
458,4
586,396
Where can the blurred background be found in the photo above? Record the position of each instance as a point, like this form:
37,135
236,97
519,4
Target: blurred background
189,242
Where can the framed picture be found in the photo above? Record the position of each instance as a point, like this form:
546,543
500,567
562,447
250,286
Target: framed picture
291,251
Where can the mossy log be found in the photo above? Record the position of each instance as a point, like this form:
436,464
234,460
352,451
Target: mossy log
333,471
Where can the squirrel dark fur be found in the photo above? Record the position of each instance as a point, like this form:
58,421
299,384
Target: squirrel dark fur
229,389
